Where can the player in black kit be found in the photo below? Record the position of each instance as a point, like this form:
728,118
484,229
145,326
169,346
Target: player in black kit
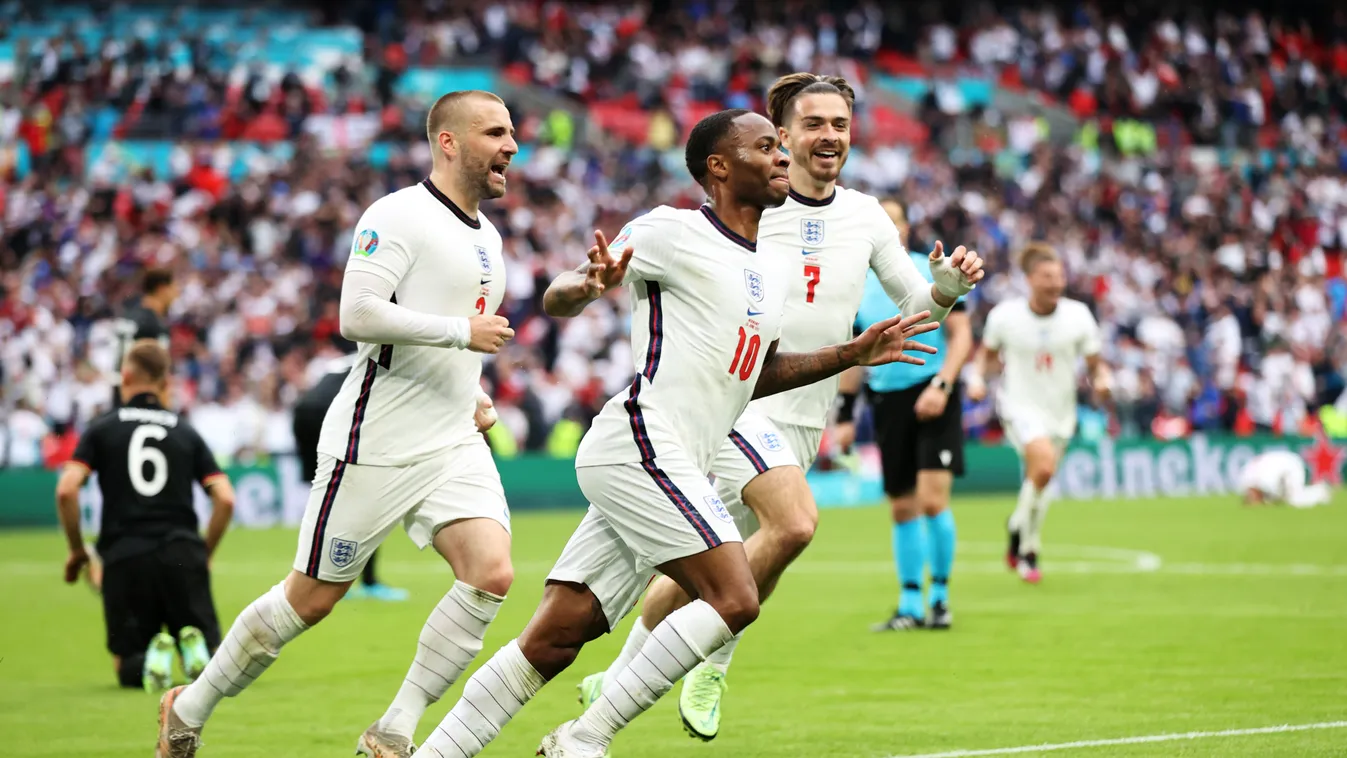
308,423
156,564
143,319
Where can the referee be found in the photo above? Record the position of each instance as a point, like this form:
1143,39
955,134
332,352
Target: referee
919,428
308,425
156,564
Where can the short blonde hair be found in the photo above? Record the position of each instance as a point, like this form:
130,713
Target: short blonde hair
448,109
1035,253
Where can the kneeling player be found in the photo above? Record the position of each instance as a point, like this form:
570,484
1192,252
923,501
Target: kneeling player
1278,477
1039,340
155,564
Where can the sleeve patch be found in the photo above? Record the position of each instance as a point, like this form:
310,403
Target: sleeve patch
366,242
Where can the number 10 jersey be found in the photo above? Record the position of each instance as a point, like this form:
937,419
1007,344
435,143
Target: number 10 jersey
706,306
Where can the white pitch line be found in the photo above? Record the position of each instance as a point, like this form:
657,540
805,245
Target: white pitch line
1145,739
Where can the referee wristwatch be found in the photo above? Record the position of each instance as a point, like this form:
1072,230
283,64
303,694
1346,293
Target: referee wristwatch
942,385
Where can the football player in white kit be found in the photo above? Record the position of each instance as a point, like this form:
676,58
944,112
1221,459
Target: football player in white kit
399,445
1279,477
708,305
1039,340
833,237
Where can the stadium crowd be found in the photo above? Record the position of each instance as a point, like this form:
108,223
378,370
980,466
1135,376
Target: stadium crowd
1219,284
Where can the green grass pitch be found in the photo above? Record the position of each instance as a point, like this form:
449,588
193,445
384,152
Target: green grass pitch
1165,616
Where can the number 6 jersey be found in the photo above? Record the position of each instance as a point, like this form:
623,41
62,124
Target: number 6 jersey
706,305
146,458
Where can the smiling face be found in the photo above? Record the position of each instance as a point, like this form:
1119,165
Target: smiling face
817,132
758,170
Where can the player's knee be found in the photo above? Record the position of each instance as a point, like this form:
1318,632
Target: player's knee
738,607
1040,475
904,507
495,577
311,599
796,530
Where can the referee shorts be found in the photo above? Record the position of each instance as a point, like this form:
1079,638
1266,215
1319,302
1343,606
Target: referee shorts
908,445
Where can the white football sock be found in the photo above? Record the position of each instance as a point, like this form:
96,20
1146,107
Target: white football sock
677,644
251,646
635,641
1019,520
491,697
450,640
720,660
1032,541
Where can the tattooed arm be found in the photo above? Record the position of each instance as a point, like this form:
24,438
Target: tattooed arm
883,342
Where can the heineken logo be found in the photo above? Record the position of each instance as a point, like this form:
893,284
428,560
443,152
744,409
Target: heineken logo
1196,466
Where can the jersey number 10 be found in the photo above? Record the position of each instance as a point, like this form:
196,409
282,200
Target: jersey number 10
747,350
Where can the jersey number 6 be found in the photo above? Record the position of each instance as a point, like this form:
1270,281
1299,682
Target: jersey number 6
812,273
749,355
481,306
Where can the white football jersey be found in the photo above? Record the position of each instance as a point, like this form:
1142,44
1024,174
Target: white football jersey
402,403
831,244
706,304
1040,355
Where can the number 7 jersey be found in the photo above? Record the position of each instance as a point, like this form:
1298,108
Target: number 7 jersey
831,245
706,306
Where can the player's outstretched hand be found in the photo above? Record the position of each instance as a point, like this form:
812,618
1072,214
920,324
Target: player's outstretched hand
489,333
74,564
890,340
958,274
604,272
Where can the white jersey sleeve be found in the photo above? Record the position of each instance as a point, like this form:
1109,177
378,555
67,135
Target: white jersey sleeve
897,273
653,238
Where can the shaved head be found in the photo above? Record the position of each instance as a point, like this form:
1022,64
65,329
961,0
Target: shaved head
451,112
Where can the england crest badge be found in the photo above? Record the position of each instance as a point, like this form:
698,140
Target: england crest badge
484,259
811,231
753,282
342,552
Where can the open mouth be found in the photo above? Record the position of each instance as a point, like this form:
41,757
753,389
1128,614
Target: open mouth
827,154
499,169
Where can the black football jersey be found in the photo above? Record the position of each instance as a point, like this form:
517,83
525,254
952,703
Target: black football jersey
146,458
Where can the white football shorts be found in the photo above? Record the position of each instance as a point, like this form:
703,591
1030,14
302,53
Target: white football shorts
755,446
352,508
641,515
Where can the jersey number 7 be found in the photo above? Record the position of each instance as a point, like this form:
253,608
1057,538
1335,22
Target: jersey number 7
812,273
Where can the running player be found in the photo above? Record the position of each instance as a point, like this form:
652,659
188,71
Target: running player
834,237
1039,340
156,564
708,307
399,444
1279,477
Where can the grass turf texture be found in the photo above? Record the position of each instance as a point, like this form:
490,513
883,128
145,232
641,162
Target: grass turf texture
1242,624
